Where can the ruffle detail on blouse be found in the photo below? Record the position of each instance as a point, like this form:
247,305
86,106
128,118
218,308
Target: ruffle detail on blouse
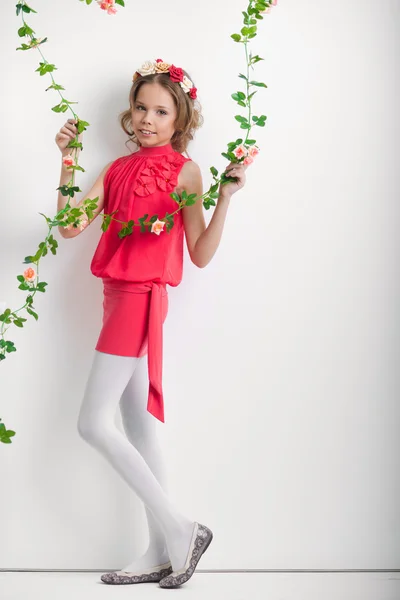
161,174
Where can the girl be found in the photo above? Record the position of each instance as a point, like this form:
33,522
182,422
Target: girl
135,270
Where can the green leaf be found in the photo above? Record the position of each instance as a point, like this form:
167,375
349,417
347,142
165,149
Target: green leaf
45,68
175,197
55,86
81,126
258,83
214,171
236,37
31,312
28,9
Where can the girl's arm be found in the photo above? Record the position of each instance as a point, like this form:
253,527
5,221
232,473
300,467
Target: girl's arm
202,241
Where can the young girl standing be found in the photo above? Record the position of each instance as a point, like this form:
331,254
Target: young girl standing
135,270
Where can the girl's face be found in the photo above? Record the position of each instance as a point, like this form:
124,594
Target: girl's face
153,110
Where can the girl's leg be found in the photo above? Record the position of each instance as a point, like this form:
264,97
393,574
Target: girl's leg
140,429
108,378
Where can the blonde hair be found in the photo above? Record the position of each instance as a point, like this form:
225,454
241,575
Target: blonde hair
189,117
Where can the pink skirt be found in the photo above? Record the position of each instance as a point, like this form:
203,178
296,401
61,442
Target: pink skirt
133,318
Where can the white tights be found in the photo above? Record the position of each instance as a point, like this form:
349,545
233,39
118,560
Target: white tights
137,457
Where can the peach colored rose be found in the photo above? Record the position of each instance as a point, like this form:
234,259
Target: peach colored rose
248,160
274,2
162,67
147,68
253,151
29,274
240,151
68,160
157,227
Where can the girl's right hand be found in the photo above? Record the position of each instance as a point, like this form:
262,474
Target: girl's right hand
65,135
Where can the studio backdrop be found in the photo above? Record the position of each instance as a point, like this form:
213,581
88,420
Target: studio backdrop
281,358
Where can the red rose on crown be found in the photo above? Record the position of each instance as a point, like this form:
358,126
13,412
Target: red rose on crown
176,73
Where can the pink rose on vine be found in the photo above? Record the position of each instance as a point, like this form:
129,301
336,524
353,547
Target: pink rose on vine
68,160
253,151
108,6
240,151
157,227
30,275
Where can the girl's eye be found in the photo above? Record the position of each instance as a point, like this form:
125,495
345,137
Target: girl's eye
161,111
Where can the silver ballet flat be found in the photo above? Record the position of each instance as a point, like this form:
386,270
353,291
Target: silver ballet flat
201,539
151,575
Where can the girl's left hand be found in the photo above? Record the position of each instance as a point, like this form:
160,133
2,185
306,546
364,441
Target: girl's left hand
233,170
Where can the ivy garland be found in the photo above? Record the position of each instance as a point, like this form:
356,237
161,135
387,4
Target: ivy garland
237,151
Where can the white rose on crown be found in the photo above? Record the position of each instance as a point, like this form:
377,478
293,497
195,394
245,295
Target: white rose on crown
147,68
186,84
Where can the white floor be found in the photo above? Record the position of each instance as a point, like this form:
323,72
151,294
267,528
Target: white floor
206,586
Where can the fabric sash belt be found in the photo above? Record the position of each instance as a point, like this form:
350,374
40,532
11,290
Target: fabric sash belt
155,402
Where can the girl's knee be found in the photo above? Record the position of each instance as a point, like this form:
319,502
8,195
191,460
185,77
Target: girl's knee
90,430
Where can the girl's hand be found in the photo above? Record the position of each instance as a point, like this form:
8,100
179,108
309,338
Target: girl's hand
233,170
65,135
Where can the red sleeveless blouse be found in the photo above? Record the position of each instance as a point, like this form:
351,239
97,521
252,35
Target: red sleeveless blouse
140,263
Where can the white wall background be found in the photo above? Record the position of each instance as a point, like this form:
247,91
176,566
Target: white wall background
281,358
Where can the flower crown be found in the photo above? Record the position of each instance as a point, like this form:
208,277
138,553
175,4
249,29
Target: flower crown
175,74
